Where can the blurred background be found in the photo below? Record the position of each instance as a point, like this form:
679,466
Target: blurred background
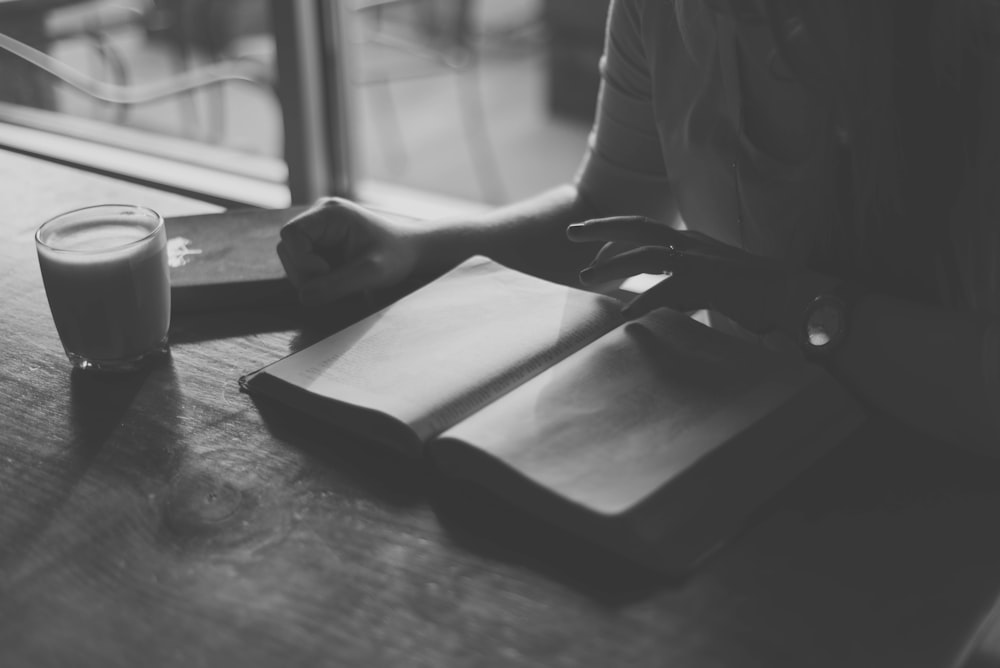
476,101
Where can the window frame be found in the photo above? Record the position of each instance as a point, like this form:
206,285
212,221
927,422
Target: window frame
316,160
311,58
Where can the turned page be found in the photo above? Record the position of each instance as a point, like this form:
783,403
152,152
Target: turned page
637,409
451,347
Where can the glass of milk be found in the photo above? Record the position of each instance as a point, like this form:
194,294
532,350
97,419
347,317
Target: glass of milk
108,284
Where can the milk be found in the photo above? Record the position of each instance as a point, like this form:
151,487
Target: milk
108,284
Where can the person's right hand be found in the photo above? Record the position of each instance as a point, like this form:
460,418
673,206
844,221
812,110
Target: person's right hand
337,248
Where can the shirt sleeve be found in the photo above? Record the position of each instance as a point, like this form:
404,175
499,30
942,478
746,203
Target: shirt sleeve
623,170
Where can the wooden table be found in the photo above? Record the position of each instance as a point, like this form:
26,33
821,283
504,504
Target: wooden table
165,519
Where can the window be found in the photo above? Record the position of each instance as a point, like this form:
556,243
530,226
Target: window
429,104
154,90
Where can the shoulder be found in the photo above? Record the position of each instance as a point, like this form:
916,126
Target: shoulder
660,34
653,21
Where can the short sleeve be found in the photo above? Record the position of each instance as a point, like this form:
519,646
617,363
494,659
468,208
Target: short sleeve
623,170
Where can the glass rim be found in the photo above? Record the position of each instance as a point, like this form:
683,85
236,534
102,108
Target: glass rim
93,251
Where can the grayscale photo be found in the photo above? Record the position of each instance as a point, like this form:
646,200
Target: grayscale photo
507,333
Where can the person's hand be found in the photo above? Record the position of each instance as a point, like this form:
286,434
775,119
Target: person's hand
337,248
703,272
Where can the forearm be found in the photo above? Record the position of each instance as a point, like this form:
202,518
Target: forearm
926,367
529,236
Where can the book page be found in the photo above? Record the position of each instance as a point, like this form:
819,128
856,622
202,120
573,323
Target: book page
451,347
632,412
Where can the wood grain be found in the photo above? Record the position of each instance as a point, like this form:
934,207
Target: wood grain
165,519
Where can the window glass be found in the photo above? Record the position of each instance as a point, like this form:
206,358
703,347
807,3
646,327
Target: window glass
462,97
472,100
193,78
173,49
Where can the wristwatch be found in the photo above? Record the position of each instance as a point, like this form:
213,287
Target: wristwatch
826,320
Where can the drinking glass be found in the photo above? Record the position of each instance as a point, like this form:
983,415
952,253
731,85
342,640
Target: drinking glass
108,285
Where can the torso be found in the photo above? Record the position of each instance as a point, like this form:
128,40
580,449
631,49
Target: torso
747,151
757,160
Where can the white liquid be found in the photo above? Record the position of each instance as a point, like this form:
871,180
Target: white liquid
108,288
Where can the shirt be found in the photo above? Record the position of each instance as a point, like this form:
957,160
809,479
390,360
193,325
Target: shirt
675,128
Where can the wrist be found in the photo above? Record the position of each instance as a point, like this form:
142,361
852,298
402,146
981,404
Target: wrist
818,313
443,244
801,289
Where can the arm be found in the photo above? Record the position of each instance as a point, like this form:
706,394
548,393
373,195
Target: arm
622,172
934,369
529,236
338,248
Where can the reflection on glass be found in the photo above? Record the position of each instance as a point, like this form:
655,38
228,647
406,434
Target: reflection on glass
476,100
196,69
452,96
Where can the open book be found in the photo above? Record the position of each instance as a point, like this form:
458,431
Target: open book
654,438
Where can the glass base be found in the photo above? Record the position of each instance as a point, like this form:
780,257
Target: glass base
125,365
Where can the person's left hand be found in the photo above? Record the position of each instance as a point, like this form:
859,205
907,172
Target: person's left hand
704,273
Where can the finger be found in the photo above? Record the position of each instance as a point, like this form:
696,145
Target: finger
302,267
677,292
611,249
635,229
358,276
326,224
646,231
289,264
644,260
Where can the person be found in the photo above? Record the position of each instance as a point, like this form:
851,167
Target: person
765,154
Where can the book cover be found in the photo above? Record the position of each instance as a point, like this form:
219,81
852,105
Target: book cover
227,260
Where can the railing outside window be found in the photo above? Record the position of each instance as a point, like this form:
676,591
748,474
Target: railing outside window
264,103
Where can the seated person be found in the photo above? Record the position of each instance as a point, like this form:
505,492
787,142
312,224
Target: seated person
766,153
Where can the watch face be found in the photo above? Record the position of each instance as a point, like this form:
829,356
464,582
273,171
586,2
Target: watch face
825,323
